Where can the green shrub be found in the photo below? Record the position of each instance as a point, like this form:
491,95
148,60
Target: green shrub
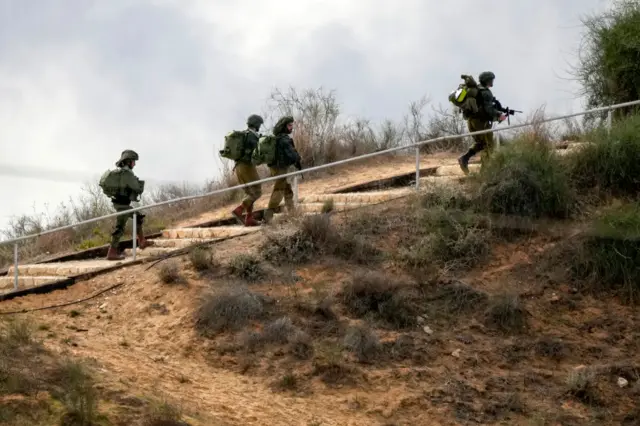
314,237
247,267
608,259
612,161
452,240
526,178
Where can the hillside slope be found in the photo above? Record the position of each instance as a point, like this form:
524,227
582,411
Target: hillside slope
415,311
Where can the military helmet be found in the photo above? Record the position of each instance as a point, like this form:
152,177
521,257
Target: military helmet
255,120
127,154
486,77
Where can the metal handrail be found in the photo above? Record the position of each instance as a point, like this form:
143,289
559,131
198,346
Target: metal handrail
297,173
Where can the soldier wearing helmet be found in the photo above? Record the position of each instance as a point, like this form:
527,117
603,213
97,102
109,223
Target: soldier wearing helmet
483,120
128,189
246,172
286,157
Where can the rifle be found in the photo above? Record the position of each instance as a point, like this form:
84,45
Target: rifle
506,110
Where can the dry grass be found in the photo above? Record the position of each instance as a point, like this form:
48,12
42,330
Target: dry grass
27,368
373,294
202,259
363,343
314,237
169,272
247,267
506,314
229,309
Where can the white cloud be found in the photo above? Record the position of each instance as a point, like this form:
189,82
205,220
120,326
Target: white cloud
81,80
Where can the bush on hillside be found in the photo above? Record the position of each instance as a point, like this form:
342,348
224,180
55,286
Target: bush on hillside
247,267
612,161
608,259
526,179
169,272
506,314
229,309
363,343
314,237
374,294
451,240
202,259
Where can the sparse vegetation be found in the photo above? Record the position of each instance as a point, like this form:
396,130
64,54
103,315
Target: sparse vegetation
288,382
506,314
581,385
453,299
163,414
363,343
79,395
229,309
376,295
169,272
27,369
201,259
315,237
247,267
608,259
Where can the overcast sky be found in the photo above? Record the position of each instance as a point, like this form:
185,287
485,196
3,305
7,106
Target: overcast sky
81,80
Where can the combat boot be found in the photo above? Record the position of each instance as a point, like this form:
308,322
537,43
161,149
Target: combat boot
268,215
464,164
143,243
464,160
237,214
250,220
114,254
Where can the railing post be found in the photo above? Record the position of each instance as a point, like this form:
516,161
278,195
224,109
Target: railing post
15,266
295,190
417,168
135,234
609,119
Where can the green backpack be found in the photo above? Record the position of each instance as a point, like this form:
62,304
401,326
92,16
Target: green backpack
234,145
110,182
464,97
265,152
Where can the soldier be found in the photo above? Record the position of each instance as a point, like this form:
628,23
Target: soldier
123,187
286,156
246,172
482,120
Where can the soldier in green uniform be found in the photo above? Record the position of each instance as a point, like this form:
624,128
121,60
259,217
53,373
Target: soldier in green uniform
246,172
123,188
286,156
482,120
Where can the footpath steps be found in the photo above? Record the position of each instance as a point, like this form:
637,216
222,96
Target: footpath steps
172,239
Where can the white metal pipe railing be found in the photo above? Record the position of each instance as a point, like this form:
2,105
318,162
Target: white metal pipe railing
326,166
134,240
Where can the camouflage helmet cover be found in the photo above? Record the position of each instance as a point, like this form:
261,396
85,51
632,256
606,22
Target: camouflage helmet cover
127,154
255,120
486,77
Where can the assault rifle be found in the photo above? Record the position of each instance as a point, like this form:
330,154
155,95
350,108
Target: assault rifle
506,110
